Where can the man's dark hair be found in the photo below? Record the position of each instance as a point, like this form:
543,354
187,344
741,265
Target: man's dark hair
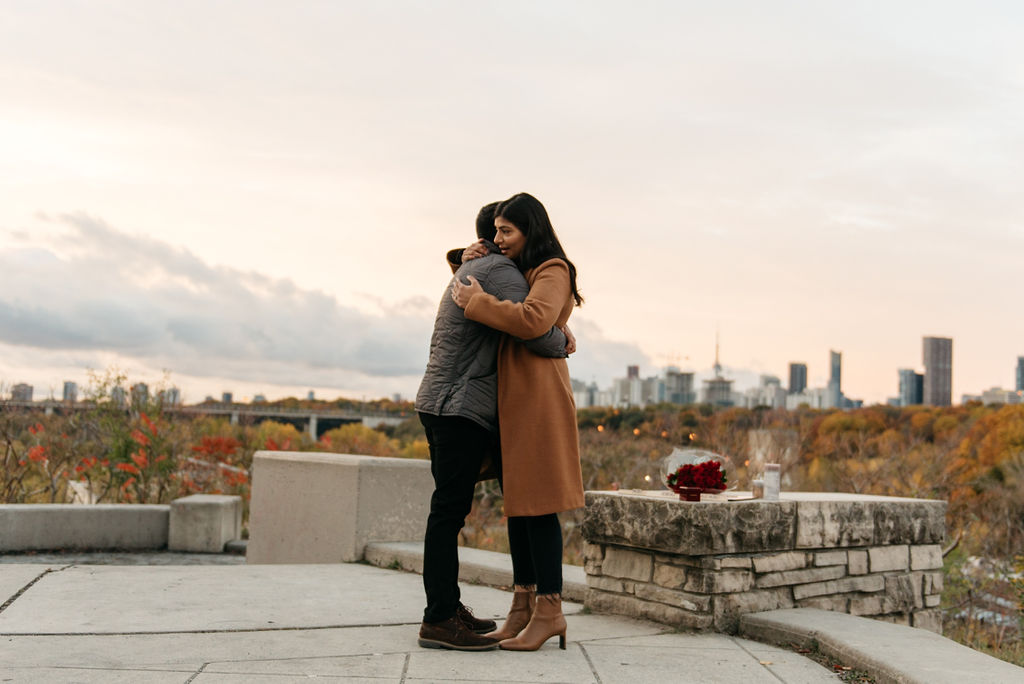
485,221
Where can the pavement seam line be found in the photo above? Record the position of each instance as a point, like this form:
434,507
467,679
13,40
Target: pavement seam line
590,663
17,595
405,668
240,630
368,654
764,667
196,673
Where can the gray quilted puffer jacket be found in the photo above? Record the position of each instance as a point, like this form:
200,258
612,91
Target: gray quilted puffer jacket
462,374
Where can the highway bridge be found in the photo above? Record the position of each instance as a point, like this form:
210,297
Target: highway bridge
314,421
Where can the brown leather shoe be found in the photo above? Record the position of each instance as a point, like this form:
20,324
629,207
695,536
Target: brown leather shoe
453,634
547,621
518,615
474,623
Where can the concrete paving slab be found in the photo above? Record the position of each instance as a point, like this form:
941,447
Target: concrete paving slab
793,668
192,651
632,664
484,678
13,579
549,664
217,678
705,641
119,599
90,676
591,627
271,624
387,666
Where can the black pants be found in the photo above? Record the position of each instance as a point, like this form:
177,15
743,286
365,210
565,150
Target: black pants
535,543
457,448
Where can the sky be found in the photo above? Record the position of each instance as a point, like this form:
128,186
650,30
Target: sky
257,196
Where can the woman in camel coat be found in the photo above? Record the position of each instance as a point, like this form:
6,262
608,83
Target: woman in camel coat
537,418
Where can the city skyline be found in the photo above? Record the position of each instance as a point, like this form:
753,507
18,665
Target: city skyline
674,385
908,387
265,205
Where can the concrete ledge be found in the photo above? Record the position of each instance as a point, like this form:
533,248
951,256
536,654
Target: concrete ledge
204,522
310,507
48,527
476,566
891,653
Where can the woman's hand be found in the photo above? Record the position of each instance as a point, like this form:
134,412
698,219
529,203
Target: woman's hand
474,251
461,293
570,340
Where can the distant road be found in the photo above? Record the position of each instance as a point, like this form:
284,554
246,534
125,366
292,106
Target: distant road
315,421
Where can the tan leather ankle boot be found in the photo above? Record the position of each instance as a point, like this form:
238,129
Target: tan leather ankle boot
518,615
547,621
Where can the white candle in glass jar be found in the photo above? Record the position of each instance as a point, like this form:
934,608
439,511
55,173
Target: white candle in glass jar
772,481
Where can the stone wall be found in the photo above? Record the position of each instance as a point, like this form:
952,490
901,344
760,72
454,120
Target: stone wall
702,565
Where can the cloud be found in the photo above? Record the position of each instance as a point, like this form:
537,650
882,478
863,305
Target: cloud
599,359
97,291
101,289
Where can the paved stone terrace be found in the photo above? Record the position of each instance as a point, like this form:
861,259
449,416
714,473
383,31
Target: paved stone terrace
68,622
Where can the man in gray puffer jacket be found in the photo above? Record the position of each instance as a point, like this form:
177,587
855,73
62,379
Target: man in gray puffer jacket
458,405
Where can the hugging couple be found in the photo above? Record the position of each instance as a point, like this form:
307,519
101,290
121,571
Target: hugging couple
497,355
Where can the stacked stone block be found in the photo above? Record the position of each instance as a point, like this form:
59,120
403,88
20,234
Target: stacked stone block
702,565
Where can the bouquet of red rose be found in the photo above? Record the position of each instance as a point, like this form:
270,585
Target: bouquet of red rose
706,475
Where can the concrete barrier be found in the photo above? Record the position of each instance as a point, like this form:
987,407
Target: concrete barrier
309,507
44,527
204,523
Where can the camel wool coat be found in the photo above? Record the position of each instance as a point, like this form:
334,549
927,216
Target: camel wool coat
540,446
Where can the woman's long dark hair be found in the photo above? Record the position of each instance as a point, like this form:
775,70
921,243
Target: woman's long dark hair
526,213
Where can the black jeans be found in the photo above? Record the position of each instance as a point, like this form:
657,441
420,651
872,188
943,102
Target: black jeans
457,448
535,543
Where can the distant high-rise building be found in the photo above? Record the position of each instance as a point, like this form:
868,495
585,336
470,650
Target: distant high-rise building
679,387
21,392
769,393
835,383
938,371
169,397
911,387
632,372
815,398
70,392
117,395
1019,386
311,395
797,377
718,392
998,395
226,398
140,394
259,399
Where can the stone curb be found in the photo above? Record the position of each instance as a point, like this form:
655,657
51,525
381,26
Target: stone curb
476,566
891,653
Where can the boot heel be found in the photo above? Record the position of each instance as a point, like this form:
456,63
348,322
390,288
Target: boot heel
561,641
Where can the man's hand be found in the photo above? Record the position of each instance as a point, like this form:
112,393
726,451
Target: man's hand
570,340
461,293
474,251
